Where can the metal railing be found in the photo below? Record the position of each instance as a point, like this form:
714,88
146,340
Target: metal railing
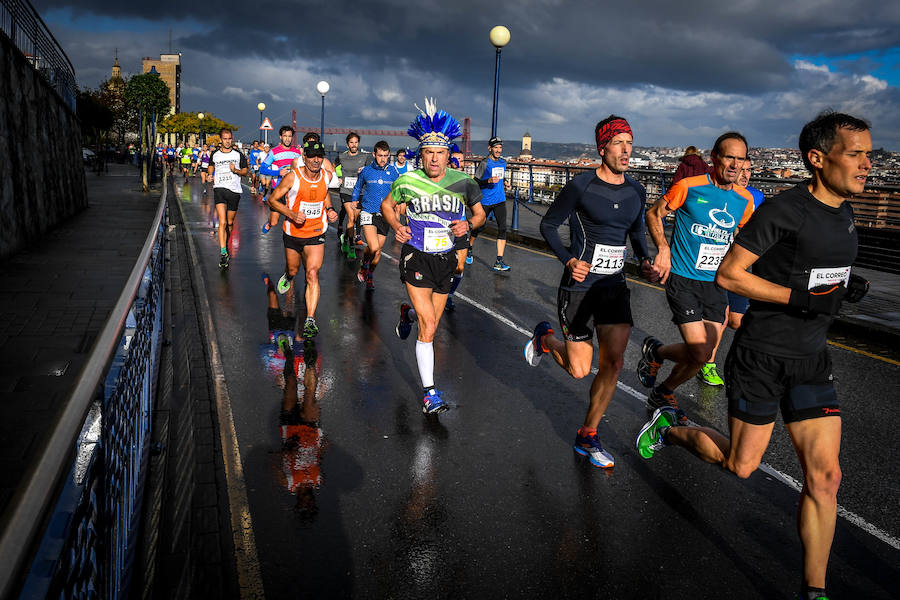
28,32
73,525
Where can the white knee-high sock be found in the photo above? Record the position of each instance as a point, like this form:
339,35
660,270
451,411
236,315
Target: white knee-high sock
425,361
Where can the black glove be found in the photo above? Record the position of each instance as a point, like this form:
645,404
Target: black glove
857,287
823,299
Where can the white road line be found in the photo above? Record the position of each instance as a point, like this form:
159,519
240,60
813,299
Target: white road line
784,478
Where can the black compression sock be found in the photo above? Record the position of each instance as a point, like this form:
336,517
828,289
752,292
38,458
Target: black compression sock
812,593
662,389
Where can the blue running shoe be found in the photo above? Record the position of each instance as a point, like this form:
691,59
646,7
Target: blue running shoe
470,258
433,403
589,445
405,325
499,265
533,349
266,227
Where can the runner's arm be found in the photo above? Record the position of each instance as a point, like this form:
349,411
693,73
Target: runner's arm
479,177
388,207
266,168
556,215
734,277
276,203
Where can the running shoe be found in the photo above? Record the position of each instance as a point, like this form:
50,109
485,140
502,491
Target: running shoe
370,283
450,306
469,258
285,344
361,274
266,227
405,325
344,246
648,368
223,261
433,403
499,265
310,329
284,284
709,375
589,445
534,350
351,253
657,399
650,439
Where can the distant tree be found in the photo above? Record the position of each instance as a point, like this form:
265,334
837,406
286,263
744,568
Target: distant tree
148,95
125,117
188,123
95,117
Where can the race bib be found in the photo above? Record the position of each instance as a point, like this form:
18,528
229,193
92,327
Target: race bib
311,209
224,177
830,276
607,260
710,256
437,239
497,172
365,218
350,182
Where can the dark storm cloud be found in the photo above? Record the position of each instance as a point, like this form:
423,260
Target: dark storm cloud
737,46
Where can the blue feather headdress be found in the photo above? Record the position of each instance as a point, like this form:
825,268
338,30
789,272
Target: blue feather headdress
433,127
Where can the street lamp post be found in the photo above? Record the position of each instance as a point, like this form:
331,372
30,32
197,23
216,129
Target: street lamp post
201,116
322,87
499,37
262,106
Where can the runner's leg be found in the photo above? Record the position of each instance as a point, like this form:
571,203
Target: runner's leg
313,256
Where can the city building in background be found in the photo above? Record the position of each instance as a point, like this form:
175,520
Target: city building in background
169,68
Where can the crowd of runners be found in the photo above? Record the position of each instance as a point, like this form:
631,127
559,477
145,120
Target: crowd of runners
776,271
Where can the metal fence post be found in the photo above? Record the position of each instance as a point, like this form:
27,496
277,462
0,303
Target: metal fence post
515,216
530,183
567,174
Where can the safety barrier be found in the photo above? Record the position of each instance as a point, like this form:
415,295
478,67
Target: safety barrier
73,527
22,24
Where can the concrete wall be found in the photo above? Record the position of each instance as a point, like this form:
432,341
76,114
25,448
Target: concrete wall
41,173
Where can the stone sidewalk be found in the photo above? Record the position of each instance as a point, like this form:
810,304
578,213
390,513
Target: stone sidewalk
55,297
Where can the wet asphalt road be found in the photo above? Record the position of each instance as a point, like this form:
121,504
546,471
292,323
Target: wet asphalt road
488,500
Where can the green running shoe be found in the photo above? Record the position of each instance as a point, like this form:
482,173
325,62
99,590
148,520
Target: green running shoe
650,439
351,253
310,329
709,375
344,246
284,284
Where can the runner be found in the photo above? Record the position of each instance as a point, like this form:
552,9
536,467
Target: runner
308,211
253,160
170,159
186,154
708,209
737,304
373,185
436,200
195,156
349,164
800,244
311,136
204,166
400,162
277,164
491,176
226,166
603,207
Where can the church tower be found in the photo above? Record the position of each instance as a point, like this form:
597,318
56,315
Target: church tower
526,146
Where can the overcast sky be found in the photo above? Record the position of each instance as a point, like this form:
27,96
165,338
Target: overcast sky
681,73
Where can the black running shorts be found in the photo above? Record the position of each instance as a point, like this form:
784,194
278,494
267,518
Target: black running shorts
376,220
420,269
691,300
757,384
297,243
499,211
581,311
227,197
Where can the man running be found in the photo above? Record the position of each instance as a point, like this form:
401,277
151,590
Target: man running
308,211
400,162
491,176
226,167
800,244
349,165
436,200
372,187
203,161
708,209
253,159
277,164
737,304
603,207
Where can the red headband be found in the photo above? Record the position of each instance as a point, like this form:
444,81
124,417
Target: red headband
611,130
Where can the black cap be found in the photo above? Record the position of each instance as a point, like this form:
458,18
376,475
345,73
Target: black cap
494,141
313,148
